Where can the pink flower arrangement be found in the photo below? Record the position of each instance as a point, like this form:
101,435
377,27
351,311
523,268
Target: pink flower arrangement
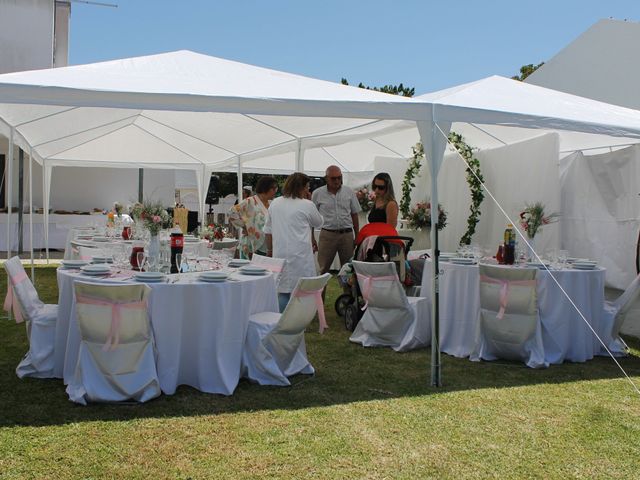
365,198
151,215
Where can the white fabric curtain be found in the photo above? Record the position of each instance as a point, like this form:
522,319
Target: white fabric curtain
600,206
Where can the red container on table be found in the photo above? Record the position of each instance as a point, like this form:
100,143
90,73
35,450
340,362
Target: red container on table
126,233
500,254
134,257
177,244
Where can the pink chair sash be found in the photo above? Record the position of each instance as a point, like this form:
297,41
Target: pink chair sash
504,290
367,285
319,304
116,316
10,302
273,268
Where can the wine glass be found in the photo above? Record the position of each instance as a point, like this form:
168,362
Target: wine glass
179,258
142,258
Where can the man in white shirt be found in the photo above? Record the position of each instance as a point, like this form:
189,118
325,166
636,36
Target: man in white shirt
339,207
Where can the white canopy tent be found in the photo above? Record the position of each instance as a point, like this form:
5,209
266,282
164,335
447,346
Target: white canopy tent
190,111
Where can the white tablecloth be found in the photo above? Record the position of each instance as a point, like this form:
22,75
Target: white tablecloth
565,335
199,328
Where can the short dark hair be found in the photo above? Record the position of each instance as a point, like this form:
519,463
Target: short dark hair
294,185
265,184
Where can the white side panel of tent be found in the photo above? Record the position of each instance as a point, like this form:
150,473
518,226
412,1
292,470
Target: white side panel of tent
600,210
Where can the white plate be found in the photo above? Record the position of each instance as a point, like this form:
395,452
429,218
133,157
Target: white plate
462,261
101,260
74,263
96,268
584,267
239,262
142,278
212,279
191,240
214,274
245,271
541,266
149,274
584,263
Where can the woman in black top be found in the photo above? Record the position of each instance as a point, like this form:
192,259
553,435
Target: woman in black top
385,208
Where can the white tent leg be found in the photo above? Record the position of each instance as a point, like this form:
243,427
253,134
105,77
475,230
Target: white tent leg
46,183
299,157
239,179
9,183
33,270
434,143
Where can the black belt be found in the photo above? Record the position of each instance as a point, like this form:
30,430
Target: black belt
340,230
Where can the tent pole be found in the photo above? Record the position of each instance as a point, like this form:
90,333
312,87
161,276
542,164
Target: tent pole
299,159
20,199
431,135
140,185
45,202
239,179
33,270
9,184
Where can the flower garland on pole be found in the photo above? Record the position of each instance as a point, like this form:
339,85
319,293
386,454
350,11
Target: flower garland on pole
474,180
473,175
407,184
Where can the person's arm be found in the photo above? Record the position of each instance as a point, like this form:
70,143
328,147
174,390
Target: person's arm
268,240
392,213
356,224
314,244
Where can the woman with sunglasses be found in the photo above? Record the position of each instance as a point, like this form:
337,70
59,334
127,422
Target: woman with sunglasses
385,208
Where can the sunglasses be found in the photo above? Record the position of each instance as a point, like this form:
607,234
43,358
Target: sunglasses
378,187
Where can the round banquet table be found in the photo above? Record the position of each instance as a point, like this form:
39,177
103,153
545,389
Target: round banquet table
199,327
565,336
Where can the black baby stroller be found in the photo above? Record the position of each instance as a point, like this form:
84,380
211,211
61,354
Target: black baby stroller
376,242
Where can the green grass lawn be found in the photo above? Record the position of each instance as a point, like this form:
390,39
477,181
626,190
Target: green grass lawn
367,413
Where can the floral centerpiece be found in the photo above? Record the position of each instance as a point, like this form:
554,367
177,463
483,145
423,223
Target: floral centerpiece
532,218
213,232
420,216
365,198
151,215
117,207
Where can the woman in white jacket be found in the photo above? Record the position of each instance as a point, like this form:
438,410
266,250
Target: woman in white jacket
288,233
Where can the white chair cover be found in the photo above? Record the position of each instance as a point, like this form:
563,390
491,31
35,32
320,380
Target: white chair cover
275,265
274,347
86,252
40,320
509,324
613,317
116,360
391,318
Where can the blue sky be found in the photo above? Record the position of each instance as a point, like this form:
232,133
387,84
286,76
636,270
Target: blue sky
426,44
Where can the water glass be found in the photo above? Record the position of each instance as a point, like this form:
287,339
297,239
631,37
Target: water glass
563,255
141,258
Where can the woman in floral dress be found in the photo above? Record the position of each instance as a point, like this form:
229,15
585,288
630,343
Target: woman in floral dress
250,216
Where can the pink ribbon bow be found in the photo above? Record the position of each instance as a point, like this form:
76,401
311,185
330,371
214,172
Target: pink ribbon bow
319,304
116,316
504,290
367,285
10,302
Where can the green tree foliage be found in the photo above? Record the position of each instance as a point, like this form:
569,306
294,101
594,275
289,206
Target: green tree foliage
526,70
392,89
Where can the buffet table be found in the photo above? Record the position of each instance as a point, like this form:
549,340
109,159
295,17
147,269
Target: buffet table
565,336
59,226
199,327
